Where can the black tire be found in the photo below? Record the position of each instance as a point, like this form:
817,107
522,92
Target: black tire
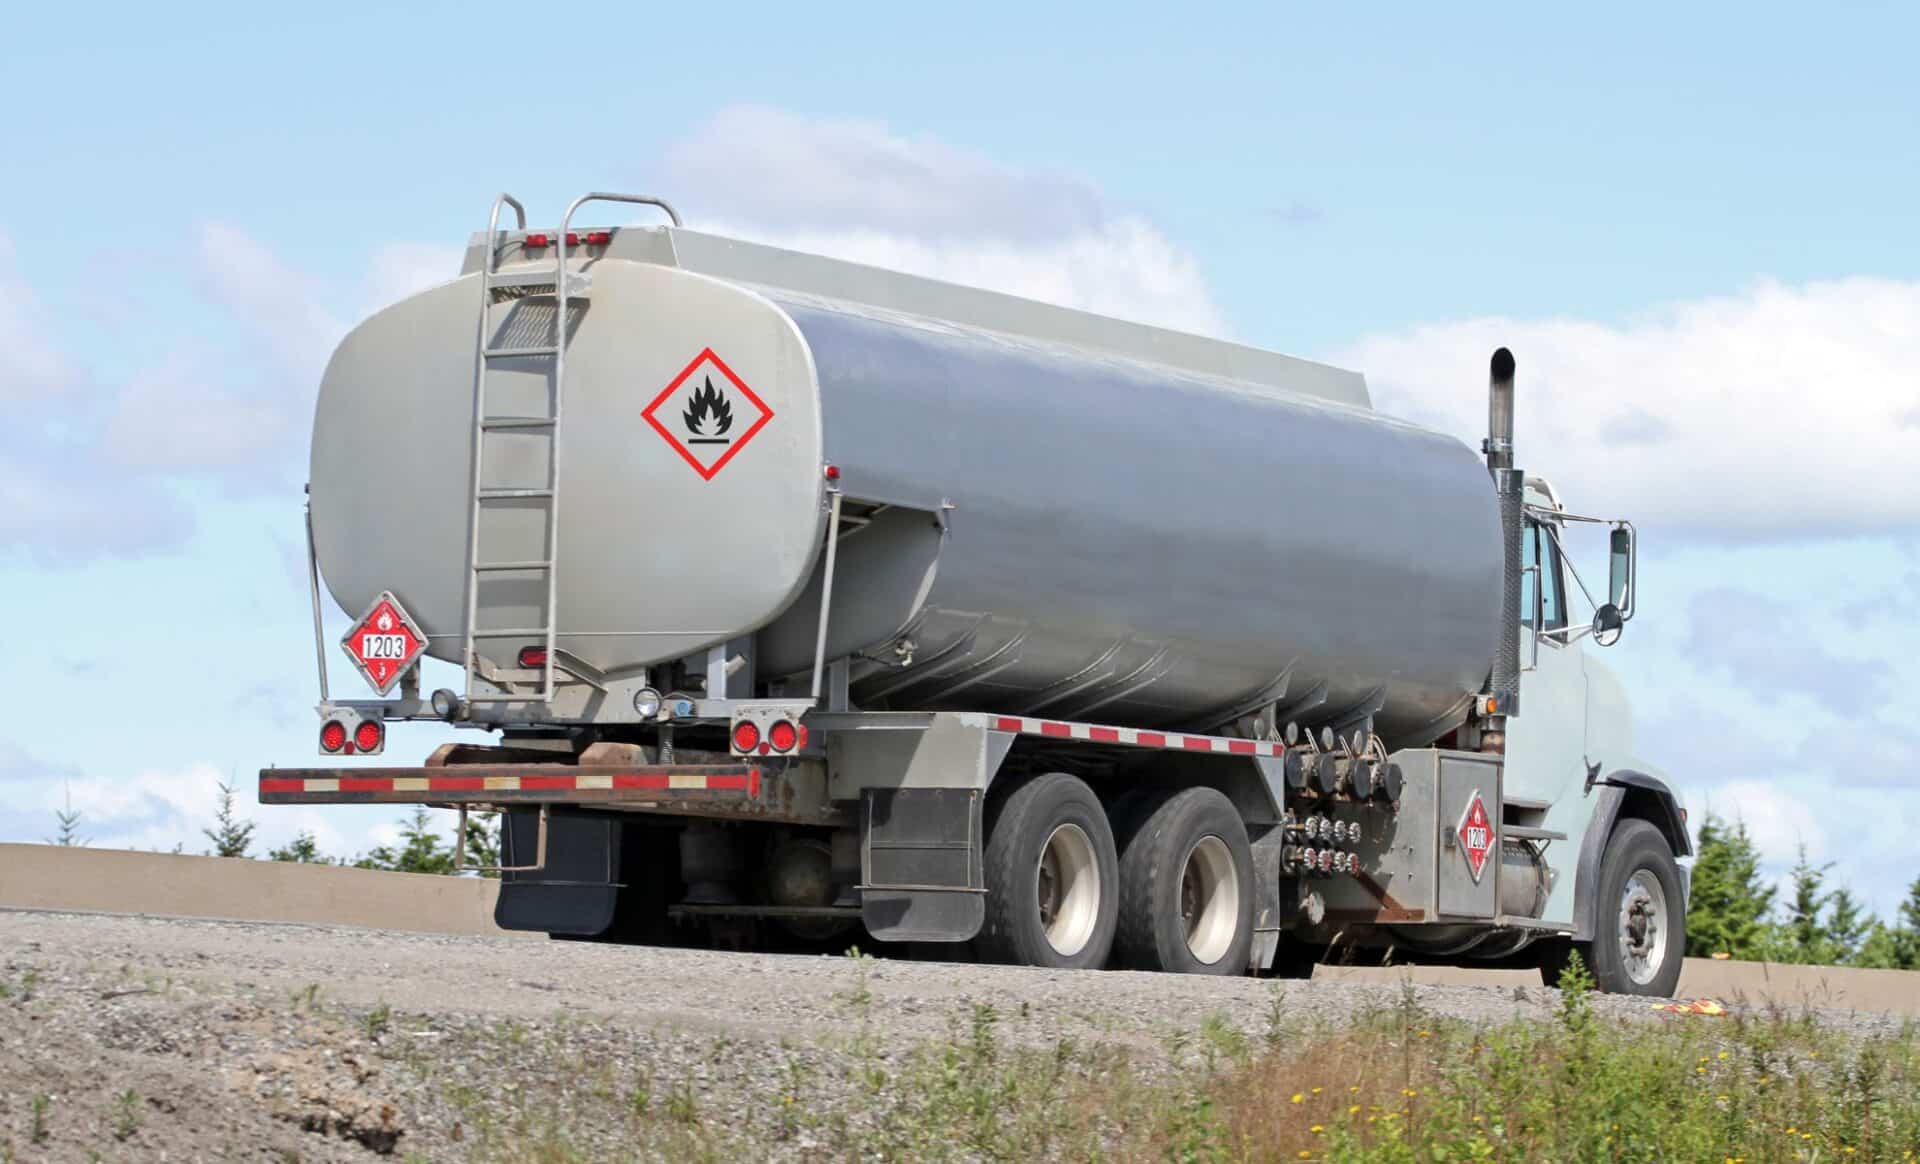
1026,820
1188,852
1636,848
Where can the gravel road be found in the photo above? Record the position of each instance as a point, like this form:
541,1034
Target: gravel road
148,1039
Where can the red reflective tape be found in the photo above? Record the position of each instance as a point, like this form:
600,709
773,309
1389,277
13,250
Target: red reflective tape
753,782
548,783
1006,724
1150,740
1241,747
456,783
1104,735
732,783
640,780
1196,743
267,785
365,784
1052,728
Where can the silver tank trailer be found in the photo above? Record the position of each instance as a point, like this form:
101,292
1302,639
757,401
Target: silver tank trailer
1050,512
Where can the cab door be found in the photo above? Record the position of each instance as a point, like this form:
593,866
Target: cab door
1546,742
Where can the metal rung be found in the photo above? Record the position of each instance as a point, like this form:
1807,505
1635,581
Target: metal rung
493,422
512,632
513,494
505,353
486,567
532,277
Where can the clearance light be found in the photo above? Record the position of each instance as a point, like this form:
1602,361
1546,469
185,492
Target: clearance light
533,656
369,735
746,736
783,735
539,240
333,736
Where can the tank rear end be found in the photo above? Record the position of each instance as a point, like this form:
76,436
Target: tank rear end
689,503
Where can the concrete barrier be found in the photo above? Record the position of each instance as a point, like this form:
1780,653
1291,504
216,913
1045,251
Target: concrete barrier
1759,983
231,889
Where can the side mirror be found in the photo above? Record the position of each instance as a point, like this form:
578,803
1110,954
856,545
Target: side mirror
1620,570
1607,622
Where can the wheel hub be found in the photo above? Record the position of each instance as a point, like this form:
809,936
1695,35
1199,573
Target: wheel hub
1643,931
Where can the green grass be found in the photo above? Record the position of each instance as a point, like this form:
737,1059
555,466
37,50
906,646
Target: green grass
1398,1084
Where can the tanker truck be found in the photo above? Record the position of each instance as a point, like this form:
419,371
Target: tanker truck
800,597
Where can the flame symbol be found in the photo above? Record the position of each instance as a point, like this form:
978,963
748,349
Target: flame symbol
705,403
385,621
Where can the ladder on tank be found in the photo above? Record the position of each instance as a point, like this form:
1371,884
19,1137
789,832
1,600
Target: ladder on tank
496,287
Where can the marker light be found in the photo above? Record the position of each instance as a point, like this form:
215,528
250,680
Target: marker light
369,735
333,736
783,735
746,736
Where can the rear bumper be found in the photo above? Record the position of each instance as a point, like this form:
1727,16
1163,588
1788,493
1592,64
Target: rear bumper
514,783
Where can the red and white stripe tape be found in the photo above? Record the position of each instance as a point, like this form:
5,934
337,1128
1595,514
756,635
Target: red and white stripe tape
747,782
1136,738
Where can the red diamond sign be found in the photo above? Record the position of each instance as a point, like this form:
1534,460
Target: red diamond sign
384,643
1476,835
709,414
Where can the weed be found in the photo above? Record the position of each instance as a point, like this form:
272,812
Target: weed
306,998
377,1021
37,1127
125,1117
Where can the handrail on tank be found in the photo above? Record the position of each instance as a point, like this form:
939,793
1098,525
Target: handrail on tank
493,227
673,215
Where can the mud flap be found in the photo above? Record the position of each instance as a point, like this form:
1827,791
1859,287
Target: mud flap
578,891
922,879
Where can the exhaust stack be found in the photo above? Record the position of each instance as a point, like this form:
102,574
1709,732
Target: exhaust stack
1503,686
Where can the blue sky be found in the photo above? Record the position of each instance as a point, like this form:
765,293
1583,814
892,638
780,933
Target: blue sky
1695,229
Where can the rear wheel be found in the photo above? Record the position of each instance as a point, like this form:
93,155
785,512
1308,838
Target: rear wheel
1186,888
1051,877
1639,935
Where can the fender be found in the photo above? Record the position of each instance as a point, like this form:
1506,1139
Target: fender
1624,794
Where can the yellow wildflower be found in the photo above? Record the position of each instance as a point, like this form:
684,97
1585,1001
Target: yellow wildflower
1409,1092
1299,1097
1316,1129
1316,1091
1354,1110
1723,1054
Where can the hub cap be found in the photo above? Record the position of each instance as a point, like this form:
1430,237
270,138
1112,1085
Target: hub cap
1209,900
1643,927
1068,889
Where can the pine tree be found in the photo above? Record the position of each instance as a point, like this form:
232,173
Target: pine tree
1905,934
1729,903
1877,952
1804,937
1848,926
301,850
420,849
483,840
231,836
69,821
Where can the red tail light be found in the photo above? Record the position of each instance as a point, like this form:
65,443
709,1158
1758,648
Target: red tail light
539,240
368,736
533,656
599,238
746,736
783,735
333,736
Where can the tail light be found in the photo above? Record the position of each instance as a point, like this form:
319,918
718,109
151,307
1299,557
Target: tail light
533,656
333,737
539,240
746,736
369,736
783,735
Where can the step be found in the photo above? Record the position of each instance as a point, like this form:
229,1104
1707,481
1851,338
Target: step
494,422
1527,833
513,632
513,353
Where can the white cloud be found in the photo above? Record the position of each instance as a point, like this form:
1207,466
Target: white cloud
856,190
399,270
174,418
1778,821
1765,416
29,365
280,307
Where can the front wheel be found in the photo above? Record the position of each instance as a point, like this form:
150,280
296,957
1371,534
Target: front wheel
1640,927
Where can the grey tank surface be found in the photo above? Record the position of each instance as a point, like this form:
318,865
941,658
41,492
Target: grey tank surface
1050,513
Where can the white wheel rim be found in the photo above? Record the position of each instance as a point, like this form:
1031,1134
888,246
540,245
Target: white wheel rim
1067,888
1209,899
1643,927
